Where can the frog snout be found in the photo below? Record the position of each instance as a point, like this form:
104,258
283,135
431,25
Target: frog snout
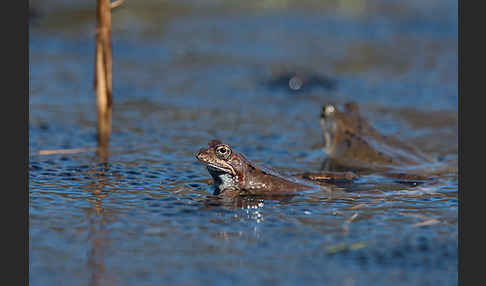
201,154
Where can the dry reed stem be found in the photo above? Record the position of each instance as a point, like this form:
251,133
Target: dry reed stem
103,73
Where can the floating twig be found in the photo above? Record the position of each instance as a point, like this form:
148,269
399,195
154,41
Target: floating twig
348,222
357,206
64,151
427,222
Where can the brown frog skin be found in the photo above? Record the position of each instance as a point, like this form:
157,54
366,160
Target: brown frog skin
351,142
234,174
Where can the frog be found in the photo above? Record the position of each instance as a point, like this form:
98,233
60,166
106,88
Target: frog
235,175
352,143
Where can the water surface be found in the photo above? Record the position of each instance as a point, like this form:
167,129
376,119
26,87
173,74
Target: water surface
186,73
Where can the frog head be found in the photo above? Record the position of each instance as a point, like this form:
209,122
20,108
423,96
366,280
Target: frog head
227,166
338,123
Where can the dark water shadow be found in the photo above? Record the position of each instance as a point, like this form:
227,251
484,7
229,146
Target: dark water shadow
384,175
297,82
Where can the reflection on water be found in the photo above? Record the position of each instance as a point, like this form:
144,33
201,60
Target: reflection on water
253,75
98,234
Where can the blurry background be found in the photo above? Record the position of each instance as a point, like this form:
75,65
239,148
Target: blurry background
186,72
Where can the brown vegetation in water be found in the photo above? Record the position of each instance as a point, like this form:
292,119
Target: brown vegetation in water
103,74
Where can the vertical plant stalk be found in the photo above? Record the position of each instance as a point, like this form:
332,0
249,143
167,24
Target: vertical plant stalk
103,74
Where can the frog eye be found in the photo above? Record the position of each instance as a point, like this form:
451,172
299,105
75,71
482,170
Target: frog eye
223,151
328,110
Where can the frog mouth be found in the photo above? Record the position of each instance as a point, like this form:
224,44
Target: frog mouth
219,169
328,131
325,132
